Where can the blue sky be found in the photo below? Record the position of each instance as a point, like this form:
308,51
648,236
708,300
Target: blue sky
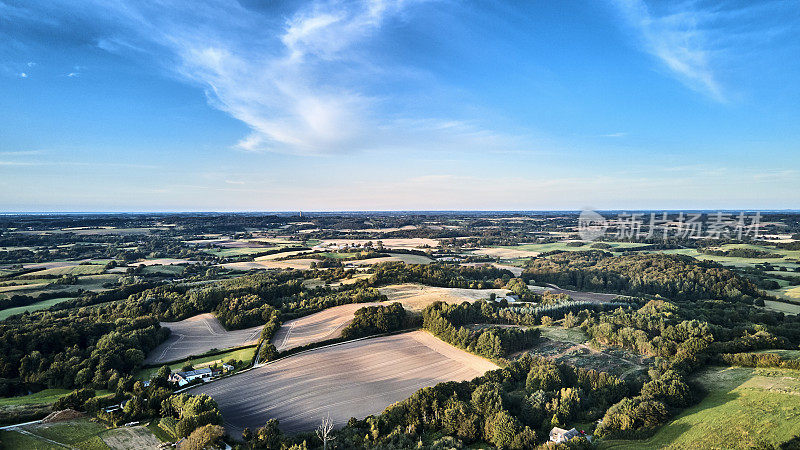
336,105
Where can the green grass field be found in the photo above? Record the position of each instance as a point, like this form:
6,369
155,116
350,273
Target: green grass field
742,262
18,441
82,269
23,286
574,335
44,304
81,434
242,354
564,247
786,308
173,270
41,397
744,408
45,396
228,252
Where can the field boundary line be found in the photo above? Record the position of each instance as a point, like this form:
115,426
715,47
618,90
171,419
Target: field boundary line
334,344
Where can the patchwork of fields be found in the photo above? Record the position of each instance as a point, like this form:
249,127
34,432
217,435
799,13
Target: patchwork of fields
302,389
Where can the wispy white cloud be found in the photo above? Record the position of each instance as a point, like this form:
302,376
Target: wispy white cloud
307,81
679,40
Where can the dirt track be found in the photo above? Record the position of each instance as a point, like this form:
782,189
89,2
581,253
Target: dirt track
197,335
354,379
316,327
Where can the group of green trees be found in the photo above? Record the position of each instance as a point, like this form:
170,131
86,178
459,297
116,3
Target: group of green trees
758,360
474,277
73,348
130,400
450,323
674,277
372,320
740,253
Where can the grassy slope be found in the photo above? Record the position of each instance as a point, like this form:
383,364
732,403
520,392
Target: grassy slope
564,247
744,407
574,335
241,354
788,293
785,308
44,304
45,396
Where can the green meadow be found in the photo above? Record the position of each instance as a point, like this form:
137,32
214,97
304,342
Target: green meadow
744,408
562,246
241,354
44,304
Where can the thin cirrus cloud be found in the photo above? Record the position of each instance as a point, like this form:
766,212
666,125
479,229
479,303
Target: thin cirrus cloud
304,82
698,42
678,40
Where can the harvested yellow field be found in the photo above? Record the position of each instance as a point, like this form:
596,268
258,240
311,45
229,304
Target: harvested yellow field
407,243
275,256
354,379
505,253
396,257
300,264
316,327
418,296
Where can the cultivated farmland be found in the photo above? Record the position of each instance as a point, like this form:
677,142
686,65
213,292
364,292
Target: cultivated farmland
418,296
197,335
316,327
354,379
300,264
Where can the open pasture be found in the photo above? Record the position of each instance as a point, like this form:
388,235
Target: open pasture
81,269
418,296
302,389
744,408
578,296
161,262
786,308
38,306
505,253
788,293
528,250
235,251
280,255
324,325
395,257
406,243
197,335
299,264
